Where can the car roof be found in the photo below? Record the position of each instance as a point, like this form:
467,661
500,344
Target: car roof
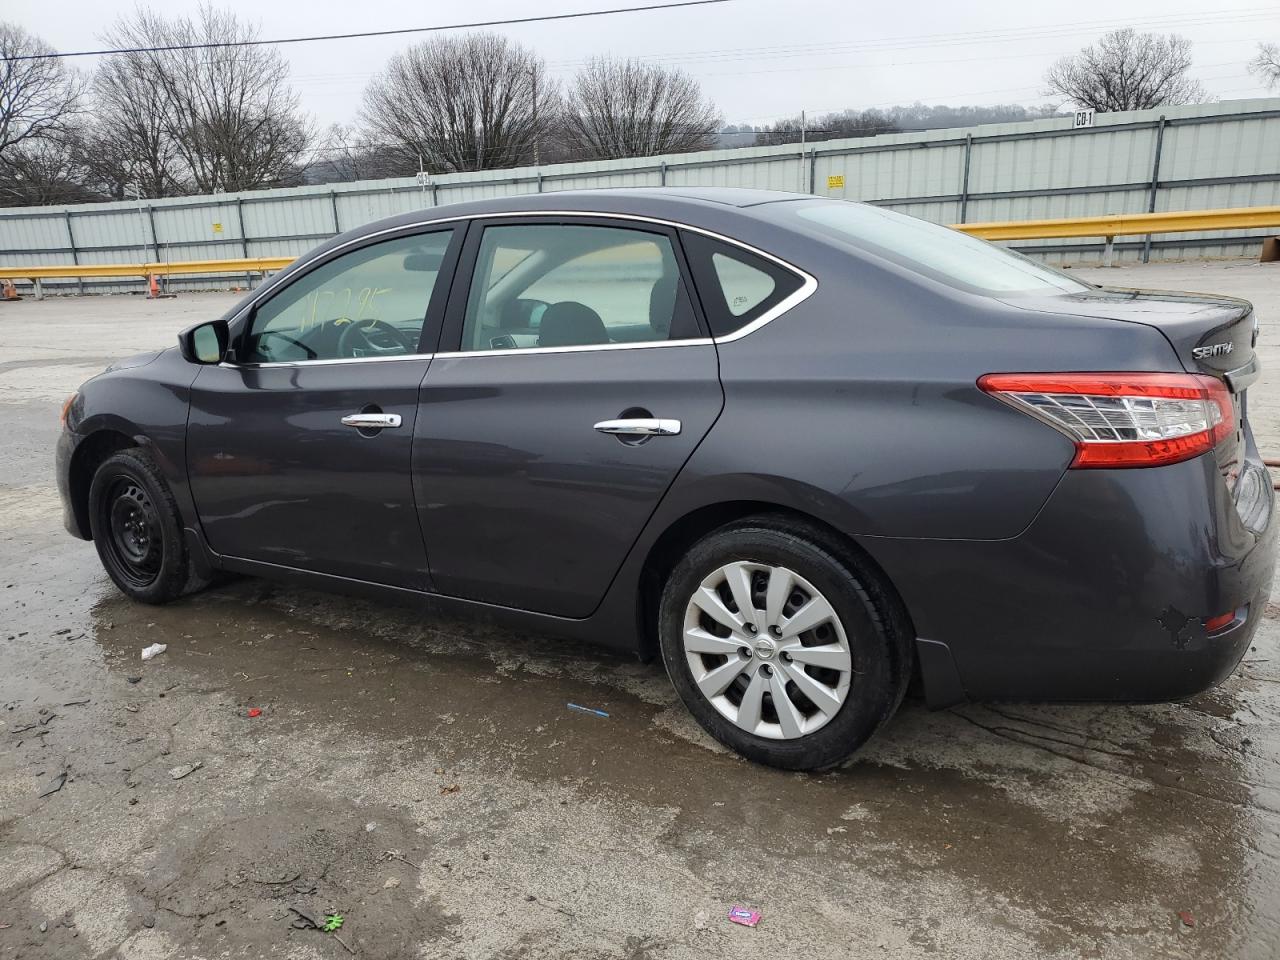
680,204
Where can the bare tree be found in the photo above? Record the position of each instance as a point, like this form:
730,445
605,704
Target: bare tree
833,126
136,134
919,116
1266,65
38,98
47,169
344,153
1127,71
472,102
627,108
224,116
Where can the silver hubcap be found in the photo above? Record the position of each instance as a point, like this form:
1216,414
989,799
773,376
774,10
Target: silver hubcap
767,649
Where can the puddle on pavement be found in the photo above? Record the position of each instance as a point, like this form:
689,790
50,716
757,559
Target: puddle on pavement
1100,822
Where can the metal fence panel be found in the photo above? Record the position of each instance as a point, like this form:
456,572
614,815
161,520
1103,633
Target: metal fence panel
1210,156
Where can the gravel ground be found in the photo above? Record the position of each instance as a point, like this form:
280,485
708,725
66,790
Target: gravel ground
426,780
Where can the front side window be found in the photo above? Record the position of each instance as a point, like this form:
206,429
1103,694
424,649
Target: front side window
369,303
567,285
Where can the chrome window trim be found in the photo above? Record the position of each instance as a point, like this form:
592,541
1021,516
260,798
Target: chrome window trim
807,289
808,286
325,361
578,348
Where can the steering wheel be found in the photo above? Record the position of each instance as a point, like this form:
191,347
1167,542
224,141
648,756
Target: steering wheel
372,336
265,350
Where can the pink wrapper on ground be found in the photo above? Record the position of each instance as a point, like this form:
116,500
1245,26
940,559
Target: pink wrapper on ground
748,918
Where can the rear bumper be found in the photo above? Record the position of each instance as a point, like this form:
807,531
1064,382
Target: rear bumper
1103,597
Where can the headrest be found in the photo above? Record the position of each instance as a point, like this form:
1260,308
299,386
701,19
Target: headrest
662,304
570,324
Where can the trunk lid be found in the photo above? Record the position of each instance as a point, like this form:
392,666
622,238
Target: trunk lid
1210,334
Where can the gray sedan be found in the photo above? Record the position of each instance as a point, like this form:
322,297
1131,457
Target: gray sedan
803,450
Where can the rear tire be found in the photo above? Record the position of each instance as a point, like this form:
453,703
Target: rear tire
819,662
137,529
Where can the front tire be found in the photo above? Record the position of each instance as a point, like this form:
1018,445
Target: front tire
783,646
137,529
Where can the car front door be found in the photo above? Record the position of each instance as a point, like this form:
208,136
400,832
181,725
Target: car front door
299,449
575,380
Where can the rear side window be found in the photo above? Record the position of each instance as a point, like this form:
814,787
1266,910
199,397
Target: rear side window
737,287
574,285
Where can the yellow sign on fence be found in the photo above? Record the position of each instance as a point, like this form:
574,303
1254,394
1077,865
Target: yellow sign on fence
835,181
217,228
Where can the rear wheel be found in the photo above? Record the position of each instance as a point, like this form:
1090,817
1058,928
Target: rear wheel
137,529
781,646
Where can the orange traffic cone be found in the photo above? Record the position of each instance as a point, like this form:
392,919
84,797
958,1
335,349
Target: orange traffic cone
153,287
8,291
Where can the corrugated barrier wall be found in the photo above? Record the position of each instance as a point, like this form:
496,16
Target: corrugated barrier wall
1173,158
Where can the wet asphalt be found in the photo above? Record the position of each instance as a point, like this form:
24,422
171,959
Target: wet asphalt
427,781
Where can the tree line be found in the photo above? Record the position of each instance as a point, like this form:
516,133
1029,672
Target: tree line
186,108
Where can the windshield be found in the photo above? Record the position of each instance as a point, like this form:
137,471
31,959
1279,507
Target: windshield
938,252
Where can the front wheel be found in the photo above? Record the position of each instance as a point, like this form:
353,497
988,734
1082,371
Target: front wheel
781,646
137,529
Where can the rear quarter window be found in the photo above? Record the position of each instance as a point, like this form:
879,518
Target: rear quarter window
737,287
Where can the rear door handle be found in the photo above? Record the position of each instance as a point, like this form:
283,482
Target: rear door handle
640,427
371,421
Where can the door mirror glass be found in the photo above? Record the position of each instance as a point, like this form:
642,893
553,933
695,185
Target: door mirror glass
205,343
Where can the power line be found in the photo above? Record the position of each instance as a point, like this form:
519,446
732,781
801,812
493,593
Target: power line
1044,31
696,58
371,33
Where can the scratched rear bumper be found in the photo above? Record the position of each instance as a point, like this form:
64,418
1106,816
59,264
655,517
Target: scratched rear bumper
1104,595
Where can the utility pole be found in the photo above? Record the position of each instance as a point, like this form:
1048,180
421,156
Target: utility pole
537,153
136,186
802,151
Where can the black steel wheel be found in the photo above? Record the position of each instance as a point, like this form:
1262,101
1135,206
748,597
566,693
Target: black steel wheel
137,529
134,539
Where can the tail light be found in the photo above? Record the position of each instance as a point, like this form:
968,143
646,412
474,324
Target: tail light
1124,419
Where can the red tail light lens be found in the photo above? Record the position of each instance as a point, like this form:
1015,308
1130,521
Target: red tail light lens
1124,419
1214,624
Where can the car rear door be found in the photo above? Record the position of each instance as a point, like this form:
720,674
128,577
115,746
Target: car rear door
574,381
299,451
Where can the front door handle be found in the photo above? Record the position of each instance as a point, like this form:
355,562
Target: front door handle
371,421
640,427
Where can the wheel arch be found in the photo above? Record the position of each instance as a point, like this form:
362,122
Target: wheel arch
91,453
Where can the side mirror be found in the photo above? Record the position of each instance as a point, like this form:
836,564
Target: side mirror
205,343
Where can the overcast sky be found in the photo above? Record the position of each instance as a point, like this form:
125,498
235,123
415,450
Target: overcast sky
758,59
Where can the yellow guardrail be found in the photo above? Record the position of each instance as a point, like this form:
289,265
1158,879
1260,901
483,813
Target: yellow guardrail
1122,224
1110,226
247,265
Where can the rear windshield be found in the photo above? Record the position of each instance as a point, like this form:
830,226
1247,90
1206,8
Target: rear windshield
941,253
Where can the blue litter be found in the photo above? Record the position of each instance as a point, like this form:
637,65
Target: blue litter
598,713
